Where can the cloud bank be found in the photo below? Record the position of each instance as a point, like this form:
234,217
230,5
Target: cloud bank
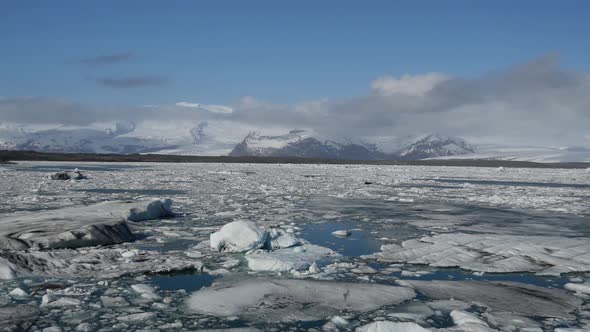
538,101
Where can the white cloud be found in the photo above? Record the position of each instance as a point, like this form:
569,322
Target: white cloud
538,101
211,108
411,85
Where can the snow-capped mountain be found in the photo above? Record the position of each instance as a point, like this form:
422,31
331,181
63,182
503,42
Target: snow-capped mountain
215,138
300,143
124,137
433,146
81,140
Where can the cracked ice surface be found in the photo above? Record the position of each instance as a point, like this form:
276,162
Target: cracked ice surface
544,255
429,220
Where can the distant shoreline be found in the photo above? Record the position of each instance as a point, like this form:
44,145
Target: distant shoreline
13,156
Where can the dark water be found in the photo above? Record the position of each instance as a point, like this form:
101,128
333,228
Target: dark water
357,244
178,281
394,219
175,244
378,219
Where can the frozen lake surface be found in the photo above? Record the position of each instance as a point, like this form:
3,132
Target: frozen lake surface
332,247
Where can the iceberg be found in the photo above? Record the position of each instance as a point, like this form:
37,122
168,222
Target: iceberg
239,236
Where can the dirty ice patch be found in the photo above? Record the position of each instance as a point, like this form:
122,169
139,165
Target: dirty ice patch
522,299
81,226
105,263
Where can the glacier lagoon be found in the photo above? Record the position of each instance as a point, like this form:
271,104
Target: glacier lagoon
430,248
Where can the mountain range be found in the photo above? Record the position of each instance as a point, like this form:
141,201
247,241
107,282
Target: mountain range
300,143
205,138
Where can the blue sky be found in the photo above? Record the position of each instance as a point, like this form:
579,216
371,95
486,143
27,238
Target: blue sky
218,51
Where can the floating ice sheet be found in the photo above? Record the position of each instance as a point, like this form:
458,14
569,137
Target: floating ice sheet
292,300
544,255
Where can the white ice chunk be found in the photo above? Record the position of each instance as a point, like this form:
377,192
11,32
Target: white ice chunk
387,326
239,236
341,233
339,321
288,259
461,317
578,288
142,316
63,302
18,293
146,292
279,238
117,301
313,268
6,269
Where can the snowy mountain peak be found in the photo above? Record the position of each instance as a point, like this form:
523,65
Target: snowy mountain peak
301,143
434,145
255,144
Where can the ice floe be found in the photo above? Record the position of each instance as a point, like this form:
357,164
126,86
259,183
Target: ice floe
288,259
468,322
292,300
518,298
387,326
544,255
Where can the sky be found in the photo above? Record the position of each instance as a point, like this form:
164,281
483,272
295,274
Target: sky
336,66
